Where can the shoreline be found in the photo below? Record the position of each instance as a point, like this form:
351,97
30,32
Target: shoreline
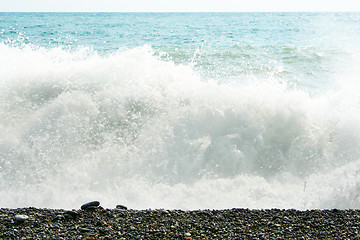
100,223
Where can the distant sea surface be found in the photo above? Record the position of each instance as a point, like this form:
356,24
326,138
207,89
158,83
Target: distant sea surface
180,110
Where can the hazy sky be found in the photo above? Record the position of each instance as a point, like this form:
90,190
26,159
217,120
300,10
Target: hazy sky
177,5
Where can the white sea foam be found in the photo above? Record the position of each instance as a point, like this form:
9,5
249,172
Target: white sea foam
128,128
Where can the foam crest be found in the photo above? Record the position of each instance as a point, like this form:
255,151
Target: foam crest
129,128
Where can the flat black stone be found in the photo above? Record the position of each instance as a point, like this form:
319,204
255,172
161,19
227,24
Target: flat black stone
90,205
91,208
121,207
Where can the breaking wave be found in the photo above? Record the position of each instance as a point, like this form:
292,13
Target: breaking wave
130,128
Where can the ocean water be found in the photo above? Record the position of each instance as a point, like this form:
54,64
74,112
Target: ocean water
180,110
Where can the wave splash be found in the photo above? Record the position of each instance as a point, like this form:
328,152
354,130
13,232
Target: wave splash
130,128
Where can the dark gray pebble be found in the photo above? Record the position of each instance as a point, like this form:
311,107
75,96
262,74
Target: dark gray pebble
121,207
90,205
90,208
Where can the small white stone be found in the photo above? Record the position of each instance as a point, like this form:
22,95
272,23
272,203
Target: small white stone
187,234
21,218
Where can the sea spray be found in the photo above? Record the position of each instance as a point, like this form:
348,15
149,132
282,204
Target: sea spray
130,128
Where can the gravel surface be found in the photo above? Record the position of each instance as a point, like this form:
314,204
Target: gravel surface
121,223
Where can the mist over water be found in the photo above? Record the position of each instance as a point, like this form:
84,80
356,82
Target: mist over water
181,126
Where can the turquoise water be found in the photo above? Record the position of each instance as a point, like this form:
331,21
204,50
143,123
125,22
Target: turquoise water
180,110
219,45
111,31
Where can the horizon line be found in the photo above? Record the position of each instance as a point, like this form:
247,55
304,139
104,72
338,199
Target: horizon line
312,11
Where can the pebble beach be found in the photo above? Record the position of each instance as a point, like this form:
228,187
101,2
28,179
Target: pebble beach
95,222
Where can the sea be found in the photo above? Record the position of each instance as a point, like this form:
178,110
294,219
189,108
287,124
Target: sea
180,110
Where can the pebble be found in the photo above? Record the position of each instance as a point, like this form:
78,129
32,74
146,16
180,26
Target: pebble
90,205
20,218
121,207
